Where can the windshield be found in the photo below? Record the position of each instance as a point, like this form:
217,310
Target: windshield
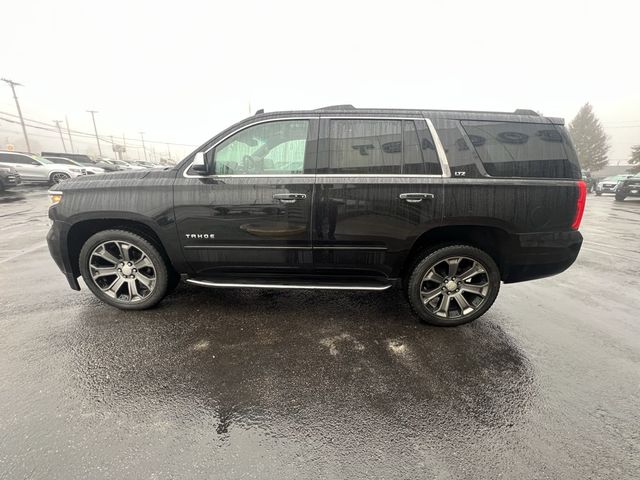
40,159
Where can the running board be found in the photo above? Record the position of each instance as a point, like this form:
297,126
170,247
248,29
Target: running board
237,283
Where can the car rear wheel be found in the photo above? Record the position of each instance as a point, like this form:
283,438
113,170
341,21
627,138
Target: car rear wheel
124,270
57,177
453,285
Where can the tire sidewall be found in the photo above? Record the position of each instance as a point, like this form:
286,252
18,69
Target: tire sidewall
162,274
428,260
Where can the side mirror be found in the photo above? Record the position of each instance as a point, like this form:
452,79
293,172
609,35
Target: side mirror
200,163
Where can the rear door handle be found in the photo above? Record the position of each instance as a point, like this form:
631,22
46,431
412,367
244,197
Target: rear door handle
416,197
289,197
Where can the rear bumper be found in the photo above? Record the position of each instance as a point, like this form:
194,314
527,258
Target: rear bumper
57,241
539,255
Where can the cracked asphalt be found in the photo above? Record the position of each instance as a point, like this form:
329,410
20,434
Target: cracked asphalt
297,384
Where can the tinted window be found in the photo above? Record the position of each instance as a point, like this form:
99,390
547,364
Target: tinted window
13,158
365,146
268,148
380,147
460,154
412,163
510,149
428,149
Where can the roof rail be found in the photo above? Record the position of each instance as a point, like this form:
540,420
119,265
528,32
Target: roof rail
526,111
346,106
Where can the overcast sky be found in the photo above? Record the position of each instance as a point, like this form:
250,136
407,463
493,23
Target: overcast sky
182,71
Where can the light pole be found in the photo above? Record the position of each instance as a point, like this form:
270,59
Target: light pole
57,122
69,133
95,129
13,84
143,147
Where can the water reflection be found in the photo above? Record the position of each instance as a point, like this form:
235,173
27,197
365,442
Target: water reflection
295,363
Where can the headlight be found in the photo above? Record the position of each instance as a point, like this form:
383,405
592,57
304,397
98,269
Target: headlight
5,169
55,197
75,169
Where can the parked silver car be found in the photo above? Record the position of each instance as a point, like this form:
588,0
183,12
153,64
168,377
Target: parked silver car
34,168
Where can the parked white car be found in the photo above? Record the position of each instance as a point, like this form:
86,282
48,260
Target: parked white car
73,163
34,168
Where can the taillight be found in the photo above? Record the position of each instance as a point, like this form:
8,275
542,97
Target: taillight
580,204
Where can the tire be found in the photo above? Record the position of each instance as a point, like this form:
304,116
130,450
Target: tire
620,198
485,282
132,288
598,194
57,177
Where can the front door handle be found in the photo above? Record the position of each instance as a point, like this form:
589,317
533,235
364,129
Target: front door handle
416,197
289,197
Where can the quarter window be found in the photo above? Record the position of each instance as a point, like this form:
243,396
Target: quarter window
277,148
512,149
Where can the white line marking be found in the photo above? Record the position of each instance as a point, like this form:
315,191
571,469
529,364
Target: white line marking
24,252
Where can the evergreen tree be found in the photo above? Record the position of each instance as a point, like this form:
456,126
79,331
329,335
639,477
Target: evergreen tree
635,159
589,139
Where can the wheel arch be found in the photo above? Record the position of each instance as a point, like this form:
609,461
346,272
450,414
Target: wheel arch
493,240
53,172
82,230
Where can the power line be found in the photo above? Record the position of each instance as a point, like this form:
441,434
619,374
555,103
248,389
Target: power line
78,132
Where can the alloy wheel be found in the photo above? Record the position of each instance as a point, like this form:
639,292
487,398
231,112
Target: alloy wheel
454,287
122,271
59,177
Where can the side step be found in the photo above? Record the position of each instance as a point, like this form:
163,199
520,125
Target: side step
293,284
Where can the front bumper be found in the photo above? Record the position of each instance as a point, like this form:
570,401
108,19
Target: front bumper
629,191
606,188
539,255
11,180
57,243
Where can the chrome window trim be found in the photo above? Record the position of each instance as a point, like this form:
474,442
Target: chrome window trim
442,155
373,175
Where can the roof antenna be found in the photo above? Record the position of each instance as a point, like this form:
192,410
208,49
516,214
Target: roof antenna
260,111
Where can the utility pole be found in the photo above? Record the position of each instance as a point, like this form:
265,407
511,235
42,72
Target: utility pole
57,122
169,153
13,85
124,144
95,129
113,147
143,147
69,133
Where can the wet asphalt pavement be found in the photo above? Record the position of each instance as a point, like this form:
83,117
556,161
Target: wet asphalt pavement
264,384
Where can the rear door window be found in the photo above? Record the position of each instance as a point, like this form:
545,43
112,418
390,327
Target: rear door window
512,149
380,147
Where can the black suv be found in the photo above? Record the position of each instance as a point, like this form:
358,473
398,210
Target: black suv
445,204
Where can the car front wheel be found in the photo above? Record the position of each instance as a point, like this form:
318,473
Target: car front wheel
124,270
453,285
57,177
620,197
